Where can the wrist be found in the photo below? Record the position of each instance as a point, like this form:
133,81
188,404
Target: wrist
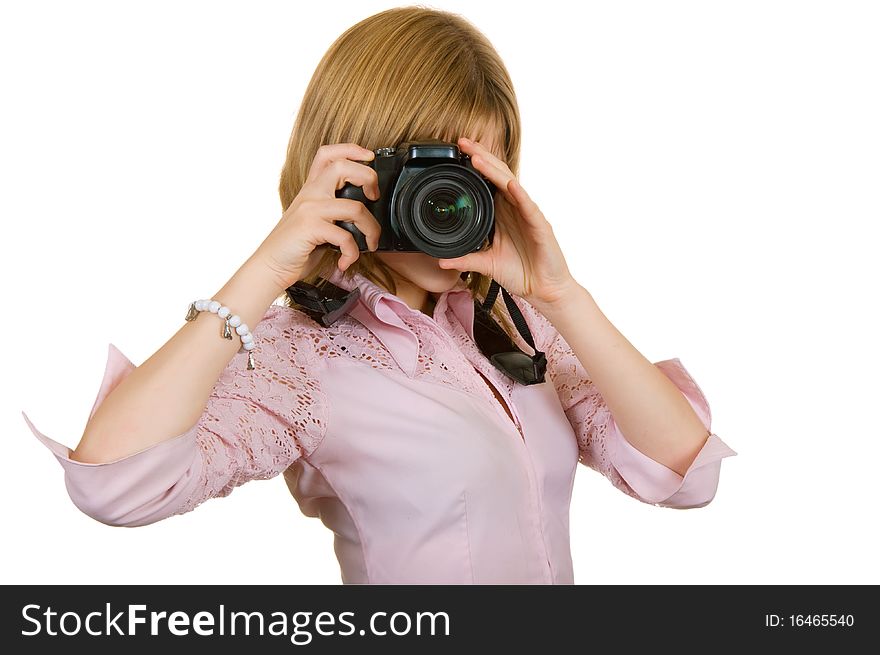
250,291
568,295
264,278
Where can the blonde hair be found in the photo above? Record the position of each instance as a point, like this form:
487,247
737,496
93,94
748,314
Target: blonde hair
404,74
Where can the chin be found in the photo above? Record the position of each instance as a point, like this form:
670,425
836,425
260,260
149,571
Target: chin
421,269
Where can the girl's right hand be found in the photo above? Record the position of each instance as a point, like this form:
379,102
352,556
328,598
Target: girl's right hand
309,220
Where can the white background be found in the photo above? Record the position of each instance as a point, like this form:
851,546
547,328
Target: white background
711,170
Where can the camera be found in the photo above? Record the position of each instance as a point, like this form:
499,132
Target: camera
431,200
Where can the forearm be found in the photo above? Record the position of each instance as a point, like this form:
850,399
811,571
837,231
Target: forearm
166,395
652,414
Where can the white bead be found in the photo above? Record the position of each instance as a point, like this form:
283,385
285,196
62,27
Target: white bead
200,305
242,329
214,306
235,320
223,312
247,338
250,345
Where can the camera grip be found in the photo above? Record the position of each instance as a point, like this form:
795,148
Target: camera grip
359,237
353,192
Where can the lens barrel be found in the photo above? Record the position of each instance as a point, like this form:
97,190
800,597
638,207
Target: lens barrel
445,210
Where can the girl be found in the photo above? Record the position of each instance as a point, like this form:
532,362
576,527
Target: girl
391,424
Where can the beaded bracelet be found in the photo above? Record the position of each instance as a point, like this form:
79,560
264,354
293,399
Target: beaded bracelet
230,321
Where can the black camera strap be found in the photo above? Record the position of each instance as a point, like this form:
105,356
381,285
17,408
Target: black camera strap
326,304
539,359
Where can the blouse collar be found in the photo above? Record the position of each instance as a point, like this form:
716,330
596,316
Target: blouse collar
381,312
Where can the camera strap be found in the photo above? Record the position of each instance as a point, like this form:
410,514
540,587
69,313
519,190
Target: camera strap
539,359
324,305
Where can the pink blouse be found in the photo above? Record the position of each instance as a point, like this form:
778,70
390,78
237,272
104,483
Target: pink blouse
383,429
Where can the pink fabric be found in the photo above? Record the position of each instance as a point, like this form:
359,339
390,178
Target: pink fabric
383,429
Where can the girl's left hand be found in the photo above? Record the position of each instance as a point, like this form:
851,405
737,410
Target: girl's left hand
524,257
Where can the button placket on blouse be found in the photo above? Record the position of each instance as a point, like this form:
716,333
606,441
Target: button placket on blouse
480,364
525,455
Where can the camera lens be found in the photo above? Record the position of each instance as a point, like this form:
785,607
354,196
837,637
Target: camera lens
445,210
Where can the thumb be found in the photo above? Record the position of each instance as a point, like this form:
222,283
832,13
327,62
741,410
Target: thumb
479,262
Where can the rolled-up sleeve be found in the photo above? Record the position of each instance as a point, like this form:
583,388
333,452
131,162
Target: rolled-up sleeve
602,446
655,483
250,429
140,488
136,490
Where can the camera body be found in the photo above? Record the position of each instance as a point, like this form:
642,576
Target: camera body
431,200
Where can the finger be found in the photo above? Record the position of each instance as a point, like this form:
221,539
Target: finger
487,164
499,177
479,262
331,152
335,235
353,211
473,148
507,196
523,201
340,171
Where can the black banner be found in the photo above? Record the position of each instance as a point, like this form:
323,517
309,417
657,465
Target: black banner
286,619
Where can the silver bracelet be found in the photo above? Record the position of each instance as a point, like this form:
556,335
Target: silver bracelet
231,321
